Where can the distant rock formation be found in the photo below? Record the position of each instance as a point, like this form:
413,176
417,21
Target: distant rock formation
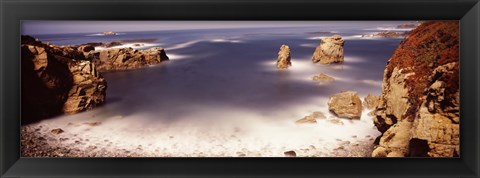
283,60
109,33
418,112
126,58
387,34
407,25
346,104
57,80
330,50
322,78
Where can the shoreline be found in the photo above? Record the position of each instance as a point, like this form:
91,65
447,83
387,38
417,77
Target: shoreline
36,144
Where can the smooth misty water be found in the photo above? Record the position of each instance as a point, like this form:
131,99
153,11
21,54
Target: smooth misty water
221,91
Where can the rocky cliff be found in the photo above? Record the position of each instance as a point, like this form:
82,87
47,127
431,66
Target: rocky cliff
66,79
418,111
57,80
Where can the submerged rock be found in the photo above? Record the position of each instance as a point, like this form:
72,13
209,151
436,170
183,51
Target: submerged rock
312,118
330,50
346,104
322,78
283,60
335,121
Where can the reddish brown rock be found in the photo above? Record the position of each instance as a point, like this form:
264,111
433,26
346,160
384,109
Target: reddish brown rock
418,112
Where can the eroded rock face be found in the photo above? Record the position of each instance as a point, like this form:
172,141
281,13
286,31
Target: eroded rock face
387,34
371,101
283,60
330,50
88,90
346,104
394,102
57,80
418,112
126,58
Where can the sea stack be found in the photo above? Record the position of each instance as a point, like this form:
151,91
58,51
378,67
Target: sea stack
329,51
283,60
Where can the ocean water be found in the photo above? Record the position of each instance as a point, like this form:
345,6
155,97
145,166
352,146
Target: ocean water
221,93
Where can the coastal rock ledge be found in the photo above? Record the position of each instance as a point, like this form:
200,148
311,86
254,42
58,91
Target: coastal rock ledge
126,58
57,80
330,50
418,111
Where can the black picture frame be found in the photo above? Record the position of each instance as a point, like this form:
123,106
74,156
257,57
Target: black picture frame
14,11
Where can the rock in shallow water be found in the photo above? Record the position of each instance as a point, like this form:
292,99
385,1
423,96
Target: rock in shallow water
312,118
346,104
330,50
322,78
56,131
290,154
283,60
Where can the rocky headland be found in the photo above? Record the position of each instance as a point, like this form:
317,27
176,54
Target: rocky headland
67,79
57,80
418,111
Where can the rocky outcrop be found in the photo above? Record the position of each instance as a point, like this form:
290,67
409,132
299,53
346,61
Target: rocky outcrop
88,89
370,101
126,58
57,80
283,60
346,104
322,78
330,50
418,112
